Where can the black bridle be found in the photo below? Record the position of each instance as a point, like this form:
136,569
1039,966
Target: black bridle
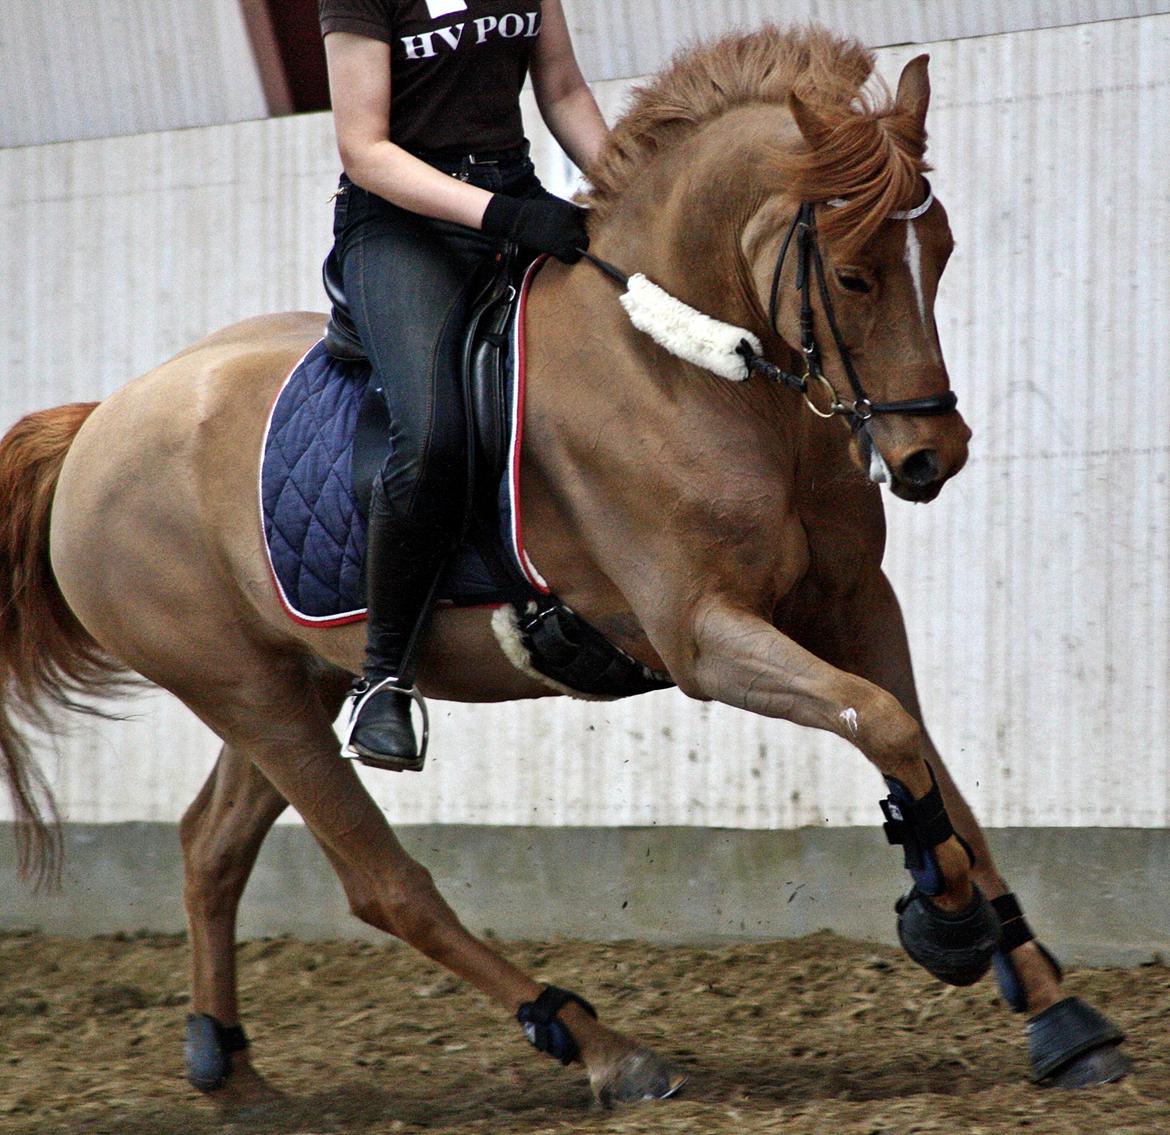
809,264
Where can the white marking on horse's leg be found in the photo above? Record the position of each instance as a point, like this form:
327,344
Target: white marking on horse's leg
849,716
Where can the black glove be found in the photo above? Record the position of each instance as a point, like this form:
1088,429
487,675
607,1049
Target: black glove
543,224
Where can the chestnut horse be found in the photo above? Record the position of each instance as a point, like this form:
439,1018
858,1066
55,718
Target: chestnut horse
720,531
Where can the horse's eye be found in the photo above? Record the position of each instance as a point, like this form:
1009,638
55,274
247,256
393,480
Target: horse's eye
853,281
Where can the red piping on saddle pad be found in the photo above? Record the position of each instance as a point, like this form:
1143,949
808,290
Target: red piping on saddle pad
519,348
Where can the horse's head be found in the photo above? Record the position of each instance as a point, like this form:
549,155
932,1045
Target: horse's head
775,140
855,276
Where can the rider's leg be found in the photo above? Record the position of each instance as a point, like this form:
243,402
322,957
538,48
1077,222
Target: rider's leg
407,280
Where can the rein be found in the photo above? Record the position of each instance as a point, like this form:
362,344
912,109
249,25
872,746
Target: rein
810,263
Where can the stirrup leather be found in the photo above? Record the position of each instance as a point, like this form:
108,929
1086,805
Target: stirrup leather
361,694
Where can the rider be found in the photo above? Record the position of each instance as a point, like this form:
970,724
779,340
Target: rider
426,105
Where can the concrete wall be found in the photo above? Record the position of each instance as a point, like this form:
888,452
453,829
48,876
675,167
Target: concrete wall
659,884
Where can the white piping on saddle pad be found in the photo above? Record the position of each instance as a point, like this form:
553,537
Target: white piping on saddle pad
689,334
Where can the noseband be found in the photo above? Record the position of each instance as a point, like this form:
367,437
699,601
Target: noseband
809,264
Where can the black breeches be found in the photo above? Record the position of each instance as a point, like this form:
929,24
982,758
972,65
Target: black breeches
408,281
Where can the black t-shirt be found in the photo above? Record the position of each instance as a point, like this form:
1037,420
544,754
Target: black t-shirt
456,67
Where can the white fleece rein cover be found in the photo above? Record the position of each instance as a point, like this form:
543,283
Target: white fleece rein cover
680,329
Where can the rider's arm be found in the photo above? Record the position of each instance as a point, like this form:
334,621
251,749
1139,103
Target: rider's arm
359,85
566,103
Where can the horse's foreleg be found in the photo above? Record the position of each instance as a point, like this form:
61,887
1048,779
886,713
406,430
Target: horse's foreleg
740,658
221,834
391,891
876,648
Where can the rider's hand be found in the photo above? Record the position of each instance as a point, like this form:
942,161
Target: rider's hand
543,224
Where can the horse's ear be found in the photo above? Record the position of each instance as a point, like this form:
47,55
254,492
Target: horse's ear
914,90
812,127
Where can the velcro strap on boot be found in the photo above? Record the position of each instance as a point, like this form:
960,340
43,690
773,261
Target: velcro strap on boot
544,1031
1015,932
918,826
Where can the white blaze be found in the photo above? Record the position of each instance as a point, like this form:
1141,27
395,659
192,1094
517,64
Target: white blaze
914,262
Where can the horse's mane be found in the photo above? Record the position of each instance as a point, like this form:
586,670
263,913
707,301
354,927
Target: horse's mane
870,153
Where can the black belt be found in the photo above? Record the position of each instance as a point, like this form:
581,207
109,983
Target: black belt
445,160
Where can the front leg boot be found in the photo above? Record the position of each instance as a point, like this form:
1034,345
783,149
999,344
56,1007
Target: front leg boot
956,947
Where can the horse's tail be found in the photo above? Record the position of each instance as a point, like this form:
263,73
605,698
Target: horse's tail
46,656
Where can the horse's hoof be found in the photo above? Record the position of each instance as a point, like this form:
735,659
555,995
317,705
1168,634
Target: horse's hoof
643,1076
956,948
1071,1045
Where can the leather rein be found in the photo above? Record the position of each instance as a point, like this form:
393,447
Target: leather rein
810,266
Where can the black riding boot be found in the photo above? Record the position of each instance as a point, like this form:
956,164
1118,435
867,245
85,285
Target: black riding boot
403,561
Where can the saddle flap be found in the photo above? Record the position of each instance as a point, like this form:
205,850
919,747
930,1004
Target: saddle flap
485,369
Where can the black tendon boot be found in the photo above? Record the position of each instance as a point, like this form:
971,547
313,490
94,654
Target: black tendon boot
403,562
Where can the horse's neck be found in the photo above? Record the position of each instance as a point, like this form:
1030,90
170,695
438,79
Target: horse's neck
634,460
630,455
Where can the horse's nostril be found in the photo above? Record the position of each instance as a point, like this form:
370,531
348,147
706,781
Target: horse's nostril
921,468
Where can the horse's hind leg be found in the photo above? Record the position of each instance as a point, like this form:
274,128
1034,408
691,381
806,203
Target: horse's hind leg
290,740
221,834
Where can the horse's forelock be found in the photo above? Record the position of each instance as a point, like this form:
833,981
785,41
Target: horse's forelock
872,159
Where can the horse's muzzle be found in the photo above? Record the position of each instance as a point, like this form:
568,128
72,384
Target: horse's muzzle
918,456
920,477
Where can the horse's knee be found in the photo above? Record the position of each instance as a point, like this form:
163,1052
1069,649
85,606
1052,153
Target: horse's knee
879,725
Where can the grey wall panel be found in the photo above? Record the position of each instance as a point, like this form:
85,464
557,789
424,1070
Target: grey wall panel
1036,588
1050,551
93,68
623,38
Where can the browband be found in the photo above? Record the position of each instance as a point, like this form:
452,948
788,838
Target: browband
902,214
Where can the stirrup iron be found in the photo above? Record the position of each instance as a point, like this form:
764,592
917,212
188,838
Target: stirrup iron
361,696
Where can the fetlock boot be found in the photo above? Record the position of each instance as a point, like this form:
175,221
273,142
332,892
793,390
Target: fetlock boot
404,560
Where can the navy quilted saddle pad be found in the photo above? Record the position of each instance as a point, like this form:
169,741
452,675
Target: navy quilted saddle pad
315,531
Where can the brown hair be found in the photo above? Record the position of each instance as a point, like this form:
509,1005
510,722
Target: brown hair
868,150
